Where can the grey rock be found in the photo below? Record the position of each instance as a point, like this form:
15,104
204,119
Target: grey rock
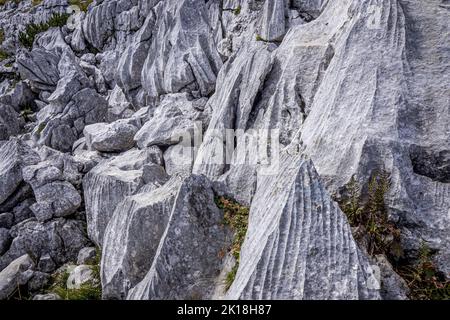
118,105
10,122
187,261
193,63
39,281
244,73
394,131
39,66
273,20
67,87
47,296
6,220
79,276
138,219
23,211
87,255
132,61
61,239
114,137
55,199
5,240
107,184
179,159
88,159
19,97
16,273
59,127
296,228
393,287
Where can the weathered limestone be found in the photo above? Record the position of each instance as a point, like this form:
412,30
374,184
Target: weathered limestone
107,184
17,273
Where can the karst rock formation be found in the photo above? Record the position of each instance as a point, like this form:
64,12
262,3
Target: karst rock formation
115,117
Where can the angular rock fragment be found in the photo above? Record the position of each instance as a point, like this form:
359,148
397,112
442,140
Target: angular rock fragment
173,121
59,127
183,55
107,184
188,259
55,197
47,296
114,137
14,155
87,255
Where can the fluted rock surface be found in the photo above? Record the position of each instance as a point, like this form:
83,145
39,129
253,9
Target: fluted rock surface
299,244
103,116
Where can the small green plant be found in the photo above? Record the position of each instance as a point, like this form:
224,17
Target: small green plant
32,30
231,276
236,217
423,279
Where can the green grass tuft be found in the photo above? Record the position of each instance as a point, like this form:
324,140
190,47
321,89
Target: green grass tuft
236,217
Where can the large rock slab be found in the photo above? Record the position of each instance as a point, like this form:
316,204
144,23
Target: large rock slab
299,244
132,238
107,184
188,260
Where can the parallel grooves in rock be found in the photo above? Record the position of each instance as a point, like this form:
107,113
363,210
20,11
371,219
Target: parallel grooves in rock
299,244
